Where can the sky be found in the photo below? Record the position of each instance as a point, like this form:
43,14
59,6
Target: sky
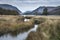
29,5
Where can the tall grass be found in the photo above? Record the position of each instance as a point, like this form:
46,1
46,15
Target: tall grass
48,30
11,24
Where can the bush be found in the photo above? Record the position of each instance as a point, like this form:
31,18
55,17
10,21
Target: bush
39,20
45,11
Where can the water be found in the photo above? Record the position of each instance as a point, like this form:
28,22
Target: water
21,36
26,20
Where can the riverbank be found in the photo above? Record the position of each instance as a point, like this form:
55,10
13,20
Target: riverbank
47,30
48,26
13,24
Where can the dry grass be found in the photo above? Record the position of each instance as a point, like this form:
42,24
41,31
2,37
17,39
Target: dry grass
10,23
49,26
48,30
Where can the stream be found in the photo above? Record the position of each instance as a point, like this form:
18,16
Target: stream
21,36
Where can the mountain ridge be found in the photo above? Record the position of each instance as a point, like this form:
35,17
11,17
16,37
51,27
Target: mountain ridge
10,7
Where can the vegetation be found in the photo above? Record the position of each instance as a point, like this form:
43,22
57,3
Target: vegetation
13,24
48,30
28,17
8,12
49,26
39,20
35,13
45,11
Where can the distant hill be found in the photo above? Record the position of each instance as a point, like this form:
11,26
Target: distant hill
55,11
27,13
6,9
39,10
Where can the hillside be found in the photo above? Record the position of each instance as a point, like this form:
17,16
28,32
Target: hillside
55,11
39,10
6,9
27,13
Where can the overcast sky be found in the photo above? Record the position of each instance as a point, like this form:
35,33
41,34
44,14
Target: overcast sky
26,5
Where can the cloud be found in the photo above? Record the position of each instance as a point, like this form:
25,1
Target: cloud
25,5
49,2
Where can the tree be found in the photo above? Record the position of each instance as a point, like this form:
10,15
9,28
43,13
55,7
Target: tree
45,11
36,13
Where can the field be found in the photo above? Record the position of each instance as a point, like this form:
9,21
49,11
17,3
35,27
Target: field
48,26
13,24
49,29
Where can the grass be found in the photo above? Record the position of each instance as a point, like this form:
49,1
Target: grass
13,24
48,30
39,20
49,26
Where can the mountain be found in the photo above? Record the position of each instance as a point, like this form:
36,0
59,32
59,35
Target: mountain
27,13
39,10
11,8
55,11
